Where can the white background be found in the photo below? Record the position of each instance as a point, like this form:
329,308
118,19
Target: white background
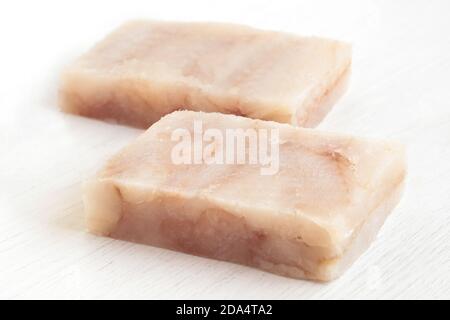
400,89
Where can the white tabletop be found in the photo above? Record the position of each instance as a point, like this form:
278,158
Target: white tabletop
400,90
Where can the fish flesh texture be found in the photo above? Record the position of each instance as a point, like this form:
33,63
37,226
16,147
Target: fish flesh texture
145,70
310,219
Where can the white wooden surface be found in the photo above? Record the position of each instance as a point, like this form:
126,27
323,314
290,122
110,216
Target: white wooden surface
400,89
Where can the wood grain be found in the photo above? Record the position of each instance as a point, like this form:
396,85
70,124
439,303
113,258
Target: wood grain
400,90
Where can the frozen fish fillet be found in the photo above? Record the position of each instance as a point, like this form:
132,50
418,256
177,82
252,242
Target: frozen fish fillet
311,219
145,70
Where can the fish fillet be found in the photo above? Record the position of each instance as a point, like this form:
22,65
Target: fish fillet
145,70
311,219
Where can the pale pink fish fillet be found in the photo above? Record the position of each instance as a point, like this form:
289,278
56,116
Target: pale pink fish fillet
310,220
145,70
